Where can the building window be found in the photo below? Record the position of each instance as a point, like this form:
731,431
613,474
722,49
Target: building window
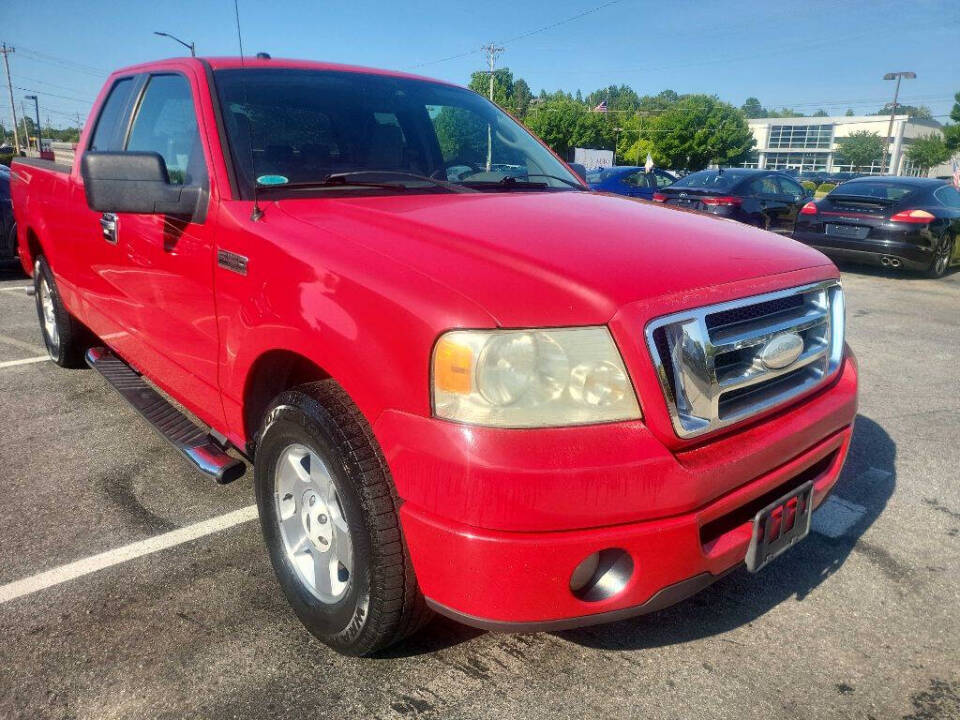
802,161
817,137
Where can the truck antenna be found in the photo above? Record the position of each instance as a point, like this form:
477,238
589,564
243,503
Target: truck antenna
257,210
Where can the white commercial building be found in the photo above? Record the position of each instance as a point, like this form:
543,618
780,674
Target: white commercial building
813,143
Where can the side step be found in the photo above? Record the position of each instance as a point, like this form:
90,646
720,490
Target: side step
194,443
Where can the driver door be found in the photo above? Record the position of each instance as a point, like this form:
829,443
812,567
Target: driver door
168,267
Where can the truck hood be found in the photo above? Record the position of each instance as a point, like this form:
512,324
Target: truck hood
554,258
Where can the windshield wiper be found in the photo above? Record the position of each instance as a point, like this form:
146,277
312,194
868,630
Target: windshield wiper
569,182
521,182
343,178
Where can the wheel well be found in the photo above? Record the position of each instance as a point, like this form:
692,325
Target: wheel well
271,374
33,246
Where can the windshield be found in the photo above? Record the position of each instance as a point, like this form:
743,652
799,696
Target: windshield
709,179
292,129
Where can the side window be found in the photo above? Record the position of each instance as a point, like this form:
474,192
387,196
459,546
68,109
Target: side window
638,179
789,187
106,135
764,186
949,197
664,180
166,123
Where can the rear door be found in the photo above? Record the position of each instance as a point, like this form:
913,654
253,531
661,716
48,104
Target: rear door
168,274
765,204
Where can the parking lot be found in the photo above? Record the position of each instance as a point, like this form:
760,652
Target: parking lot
859,621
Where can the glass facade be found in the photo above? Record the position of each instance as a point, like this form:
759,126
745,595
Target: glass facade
818,137
802,161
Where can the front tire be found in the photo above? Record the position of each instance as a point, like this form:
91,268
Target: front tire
328,512
941,258
63,335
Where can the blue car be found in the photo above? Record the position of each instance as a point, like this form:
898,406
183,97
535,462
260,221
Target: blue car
629,180
8,227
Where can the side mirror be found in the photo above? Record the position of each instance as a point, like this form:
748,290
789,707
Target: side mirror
580,170
135,182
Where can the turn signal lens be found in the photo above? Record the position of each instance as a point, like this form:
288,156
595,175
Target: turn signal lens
913,216
453,367
809,209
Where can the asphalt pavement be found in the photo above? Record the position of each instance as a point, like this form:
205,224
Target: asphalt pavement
861,620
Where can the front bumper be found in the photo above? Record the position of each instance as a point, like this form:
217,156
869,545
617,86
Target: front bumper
496,521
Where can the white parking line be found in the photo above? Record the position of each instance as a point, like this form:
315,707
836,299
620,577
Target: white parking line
836,517
92,564
7,340
23,361
22,289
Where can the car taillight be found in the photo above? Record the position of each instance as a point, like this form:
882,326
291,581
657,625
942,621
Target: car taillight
913,216
726,200
809,209
659,197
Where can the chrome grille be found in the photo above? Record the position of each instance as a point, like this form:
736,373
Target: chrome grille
719,364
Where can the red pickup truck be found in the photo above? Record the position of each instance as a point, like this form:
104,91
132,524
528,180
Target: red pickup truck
466,383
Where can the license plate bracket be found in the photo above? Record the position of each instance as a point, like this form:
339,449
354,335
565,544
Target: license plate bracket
779,526
856,232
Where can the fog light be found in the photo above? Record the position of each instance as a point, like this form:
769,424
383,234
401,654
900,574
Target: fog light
601,575
584,572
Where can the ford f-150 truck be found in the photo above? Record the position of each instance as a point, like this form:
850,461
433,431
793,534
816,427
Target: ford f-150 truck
466,383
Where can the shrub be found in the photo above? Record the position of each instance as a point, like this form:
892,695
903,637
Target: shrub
809,186
825,188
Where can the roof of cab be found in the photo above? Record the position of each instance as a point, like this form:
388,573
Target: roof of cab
253,62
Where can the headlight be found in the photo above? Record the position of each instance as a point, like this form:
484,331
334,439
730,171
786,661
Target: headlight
531,378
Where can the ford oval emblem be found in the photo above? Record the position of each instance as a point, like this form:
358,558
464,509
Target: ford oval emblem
781,350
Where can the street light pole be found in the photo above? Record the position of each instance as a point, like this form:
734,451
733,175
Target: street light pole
898,76
190,46
36,106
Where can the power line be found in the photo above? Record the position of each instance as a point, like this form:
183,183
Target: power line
62,97
521,36
37,55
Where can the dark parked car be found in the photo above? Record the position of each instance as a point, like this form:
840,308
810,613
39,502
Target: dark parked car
898,222
629,180
8,226
767,199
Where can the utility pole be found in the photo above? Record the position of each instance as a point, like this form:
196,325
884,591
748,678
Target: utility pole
492,50
6,64
898,76
36,105
23,119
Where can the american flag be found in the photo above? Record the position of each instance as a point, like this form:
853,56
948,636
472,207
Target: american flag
956,173
602,107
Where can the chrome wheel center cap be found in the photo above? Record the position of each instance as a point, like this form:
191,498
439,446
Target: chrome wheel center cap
315,518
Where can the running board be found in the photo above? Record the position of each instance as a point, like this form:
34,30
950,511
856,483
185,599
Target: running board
193,442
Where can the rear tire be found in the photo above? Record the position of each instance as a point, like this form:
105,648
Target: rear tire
331,522
941,258
63,335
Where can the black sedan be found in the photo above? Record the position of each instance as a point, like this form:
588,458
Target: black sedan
8,228
764,198
896,222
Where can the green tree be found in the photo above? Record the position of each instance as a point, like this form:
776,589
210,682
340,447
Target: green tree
520,99
861,148
820,113
753,109
696,131
928,151
555,121
920,112
502,85
619,98
951,132
849,112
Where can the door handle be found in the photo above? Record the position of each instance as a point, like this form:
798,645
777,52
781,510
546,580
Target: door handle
108,224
